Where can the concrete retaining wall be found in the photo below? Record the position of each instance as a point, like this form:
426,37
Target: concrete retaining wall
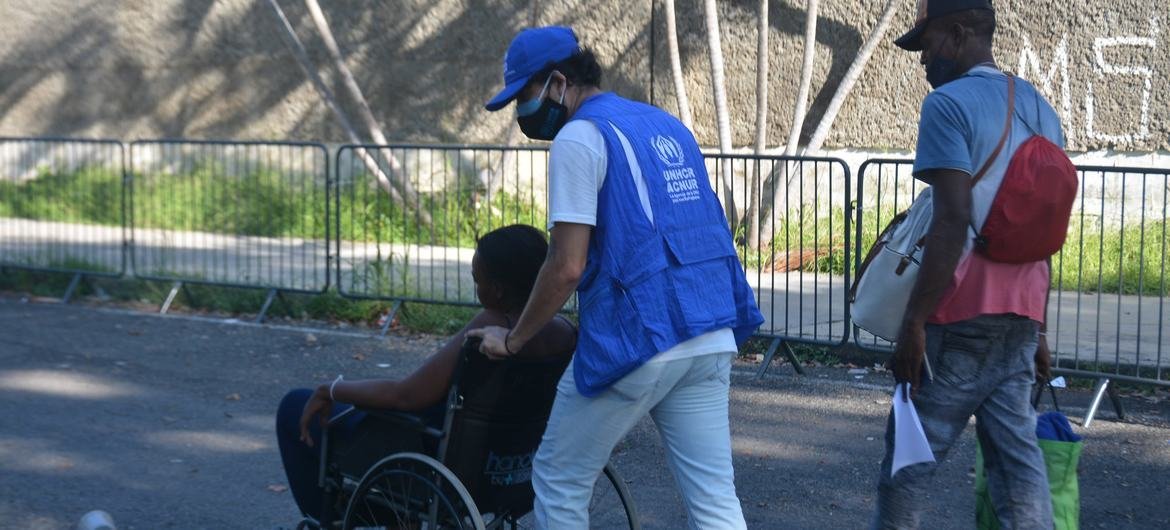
220,69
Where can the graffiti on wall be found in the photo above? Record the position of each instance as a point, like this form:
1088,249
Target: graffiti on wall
1115,59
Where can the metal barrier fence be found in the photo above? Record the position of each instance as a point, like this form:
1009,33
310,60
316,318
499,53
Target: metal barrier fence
62,206
885,186
790,219
796,253
400,223
1107,312
240,214
408,216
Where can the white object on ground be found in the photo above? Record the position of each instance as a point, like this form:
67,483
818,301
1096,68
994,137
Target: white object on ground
910,445
96,520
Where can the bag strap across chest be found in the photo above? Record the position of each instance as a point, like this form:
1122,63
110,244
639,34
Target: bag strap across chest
1007,130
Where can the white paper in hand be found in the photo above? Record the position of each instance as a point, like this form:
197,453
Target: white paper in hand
910,445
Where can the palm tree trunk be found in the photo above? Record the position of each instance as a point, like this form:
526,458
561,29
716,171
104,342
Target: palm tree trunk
753,210
810,48
721,111
790,171
680,86
396,171
851,76
302,57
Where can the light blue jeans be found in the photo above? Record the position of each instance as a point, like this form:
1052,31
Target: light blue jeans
686,398
984,366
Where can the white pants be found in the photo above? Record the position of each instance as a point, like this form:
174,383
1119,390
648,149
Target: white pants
687,399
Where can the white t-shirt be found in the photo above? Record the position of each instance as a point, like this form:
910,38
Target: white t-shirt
577,162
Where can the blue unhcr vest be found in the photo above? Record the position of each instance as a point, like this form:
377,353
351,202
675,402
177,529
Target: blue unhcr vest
650,286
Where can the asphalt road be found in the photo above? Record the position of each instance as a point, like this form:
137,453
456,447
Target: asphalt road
167,422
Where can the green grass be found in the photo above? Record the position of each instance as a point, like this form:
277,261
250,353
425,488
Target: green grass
264,203
1111,260
458,217
258,203
1114,261
803,240
84,196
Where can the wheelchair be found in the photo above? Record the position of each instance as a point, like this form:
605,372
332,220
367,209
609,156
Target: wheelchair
471,471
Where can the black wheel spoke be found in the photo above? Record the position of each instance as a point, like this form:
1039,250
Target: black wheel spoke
410,491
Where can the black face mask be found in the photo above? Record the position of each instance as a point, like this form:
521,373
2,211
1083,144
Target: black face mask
940,70
545,121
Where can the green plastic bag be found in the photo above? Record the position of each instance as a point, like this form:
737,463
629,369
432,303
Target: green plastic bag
1061,459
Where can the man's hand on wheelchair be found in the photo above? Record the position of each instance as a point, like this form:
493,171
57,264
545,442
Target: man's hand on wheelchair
492,341
319,406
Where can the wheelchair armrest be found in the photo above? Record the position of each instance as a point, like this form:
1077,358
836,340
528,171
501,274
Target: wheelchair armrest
406,420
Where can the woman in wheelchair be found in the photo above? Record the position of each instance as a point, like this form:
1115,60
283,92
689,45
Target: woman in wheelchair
504,270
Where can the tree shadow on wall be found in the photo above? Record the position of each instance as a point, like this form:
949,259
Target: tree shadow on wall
225,70
841,39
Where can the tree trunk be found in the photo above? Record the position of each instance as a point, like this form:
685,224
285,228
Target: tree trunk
753,209
302,57
680,86
810,49
396,171
721,111
789,171
851,76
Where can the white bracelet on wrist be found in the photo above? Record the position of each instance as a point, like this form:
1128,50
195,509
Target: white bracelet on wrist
333,384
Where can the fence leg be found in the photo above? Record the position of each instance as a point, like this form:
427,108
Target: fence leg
72,287
788,352
1115,397
272,293
792,358
390,318
170,297
1103,387
768,358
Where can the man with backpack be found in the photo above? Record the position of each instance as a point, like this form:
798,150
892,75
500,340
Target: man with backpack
972,341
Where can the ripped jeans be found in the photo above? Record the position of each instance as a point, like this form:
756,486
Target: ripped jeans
983,366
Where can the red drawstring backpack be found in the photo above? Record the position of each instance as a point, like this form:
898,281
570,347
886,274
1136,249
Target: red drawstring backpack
1029,216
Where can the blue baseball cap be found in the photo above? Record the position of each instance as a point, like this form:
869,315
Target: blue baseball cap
529,53
932,9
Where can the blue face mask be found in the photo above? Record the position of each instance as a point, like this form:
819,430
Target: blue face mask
540,118
528,108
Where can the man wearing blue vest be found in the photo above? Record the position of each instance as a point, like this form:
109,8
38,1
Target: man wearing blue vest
664,304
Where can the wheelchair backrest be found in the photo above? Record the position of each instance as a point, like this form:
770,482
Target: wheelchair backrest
494,434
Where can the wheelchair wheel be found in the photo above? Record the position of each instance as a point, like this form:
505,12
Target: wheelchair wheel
410,490
611,506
